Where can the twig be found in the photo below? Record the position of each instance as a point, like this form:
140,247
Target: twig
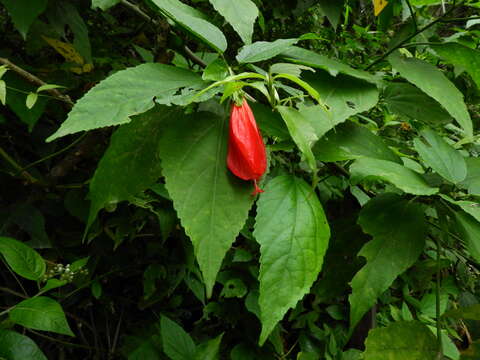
17,167
35,80
13,292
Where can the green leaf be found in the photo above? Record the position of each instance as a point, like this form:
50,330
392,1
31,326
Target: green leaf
434,83
41,313
301,131
14,346
402,177
463,56
24,12
209,350
350,141
263,50
187,18
3,92
270,121
31,100
124,94
440,156
472,181
471,312
287,68
469,229
403,340
131,163
333,67
332,10
214,207
293,234
177,344
104,4
241,14
408,100
25,261
217,70
398,228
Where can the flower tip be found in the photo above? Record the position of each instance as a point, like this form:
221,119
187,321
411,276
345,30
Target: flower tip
257,190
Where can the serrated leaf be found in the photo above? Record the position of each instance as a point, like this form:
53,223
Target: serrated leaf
263,50
41,313
104,4
434,83
177,344
131,163
14,346
241,14
293,234
24,12
214,206
184,16
440,156
402,177
23,260
124,94
403,340
399,229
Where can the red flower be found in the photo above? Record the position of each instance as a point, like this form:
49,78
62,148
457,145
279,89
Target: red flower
246,158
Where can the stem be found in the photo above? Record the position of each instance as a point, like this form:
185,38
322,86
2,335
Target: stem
412,14
17,167
437,302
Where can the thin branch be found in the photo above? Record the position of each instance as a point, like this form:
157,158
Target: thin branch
17,167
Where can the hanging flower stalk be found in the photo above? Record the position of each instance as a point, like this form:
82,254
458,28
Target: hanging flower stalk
246,151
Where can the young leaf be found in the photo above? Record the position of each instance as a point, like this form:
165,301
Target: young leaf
177,344
186,17
241,14
25,261
434,83
24,12
14,346
124,94
104,4
398,228
211,203
41,313
403,340
440,156
31,100
3,70
263,50
396,174
48,87
293,234
3,92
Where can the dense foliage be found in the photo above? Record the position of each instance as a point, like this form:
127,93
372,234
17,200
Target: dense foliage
125,236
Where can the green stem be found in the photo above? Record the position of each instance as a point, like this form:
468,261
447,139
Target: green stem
412,14
17,167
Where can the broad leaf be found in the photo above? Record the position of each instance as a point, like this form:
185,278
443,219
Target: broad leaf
403,340
472,181
399,229
293,234
270,121
41,313
124,94
104,4
301,131
334,67
470,207
14,346
469,229
435,84
24,12
440,156
211,203
463,56
332,10
177,344
131,163
25,261
407,100
263,50
402,177
186,17
209,350
351,141
241,14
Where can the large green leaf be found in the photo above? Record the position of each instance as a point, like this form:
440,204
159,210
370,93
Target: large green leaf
403,340
209,350
131,163
463,56
41,313
440,156
344,95
396,174
351,141
14,346
124,94
186,17
301,131
293,234
469,229
472,181
177,344
263,50
332,10
434,83
270,121
407,100
25,261
104,4
334,67
399,229
24,12
211,203
241,14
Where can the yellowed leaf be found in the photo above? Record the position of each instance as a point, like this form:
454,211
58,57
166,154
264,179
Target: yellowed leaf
66,50
379,5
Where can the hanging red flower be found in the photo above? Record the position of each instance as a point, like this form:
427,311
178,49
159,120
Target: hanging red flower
247,157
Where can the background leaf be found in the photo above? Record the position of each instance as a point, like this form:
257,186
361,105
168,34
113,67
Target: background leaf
209,350
14,346
293,234
24,12
472,181
263,50
469,228
25,261
104,4
177,344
